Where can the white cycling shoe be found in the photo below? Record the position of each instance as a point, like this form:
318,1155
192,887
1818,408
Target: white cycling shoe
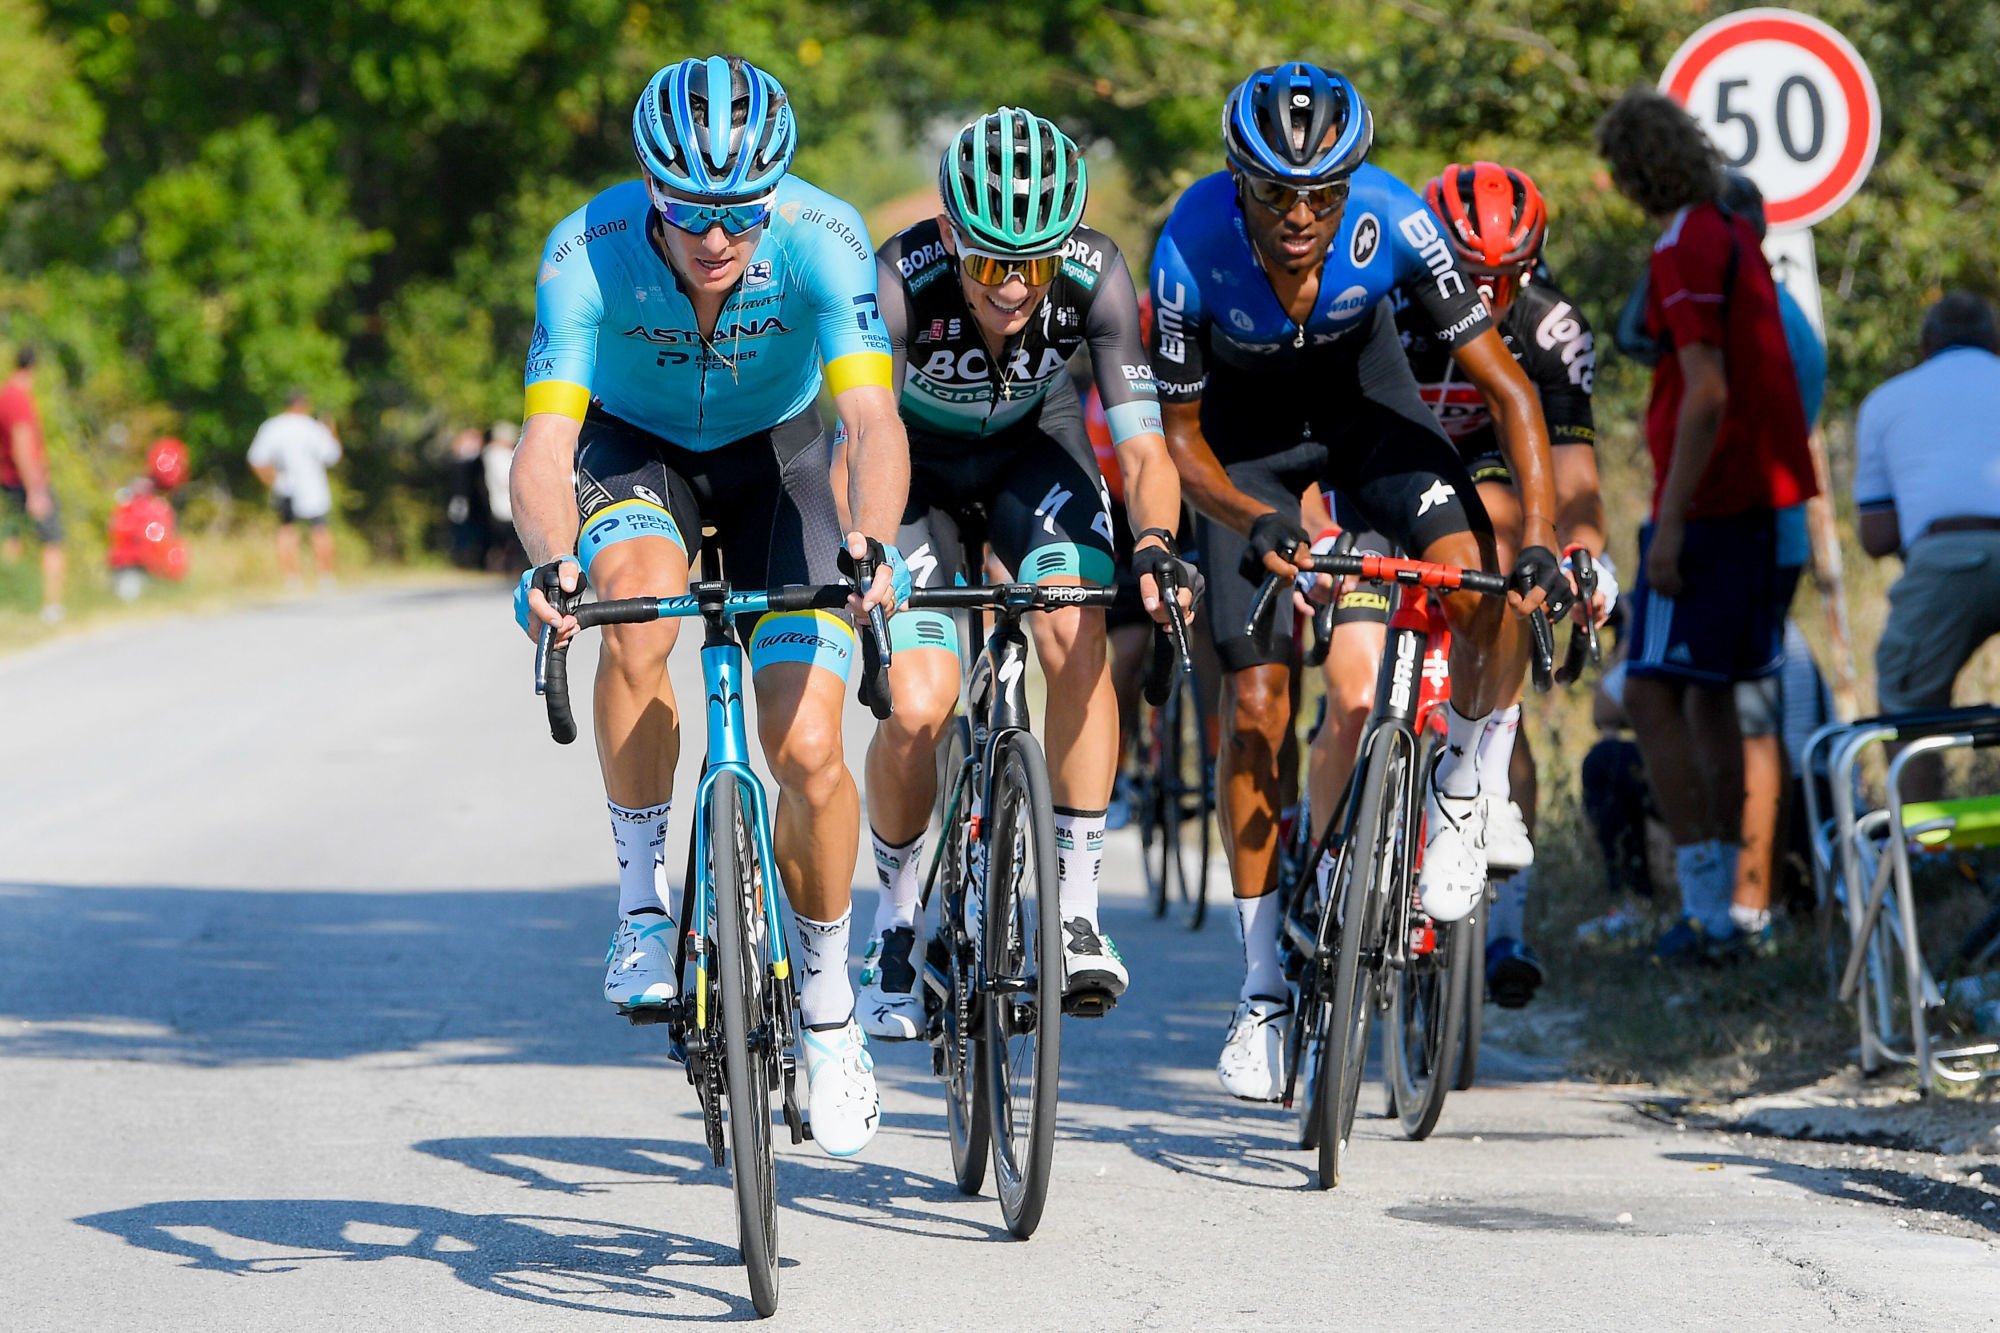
1508,846
890,1005
842,1103
1252,1066
1453,878
639,966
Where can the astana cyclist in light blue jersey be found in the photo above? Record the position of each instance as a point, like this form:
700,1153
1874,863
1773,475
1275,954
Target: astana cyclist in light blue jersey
685,323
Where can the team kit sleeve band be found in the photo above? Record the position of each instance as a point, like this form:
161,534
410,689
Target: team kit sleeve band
558,396
622,522
859,370
1069,560
816,638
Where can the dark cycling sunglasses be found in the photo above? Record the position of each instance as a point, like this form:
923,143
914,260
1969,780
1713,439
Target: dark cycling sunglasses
1282,199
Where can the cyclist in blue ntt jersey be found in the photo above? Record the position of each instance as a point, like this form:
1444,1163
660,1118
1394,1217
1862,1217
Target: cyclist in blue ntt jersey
1278,366
682,321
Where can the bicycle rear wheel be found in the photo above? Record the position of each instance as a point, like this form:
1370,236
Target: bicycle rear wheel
1376,843
748,1048
1471,970
1421,1043
1022,980
968,1118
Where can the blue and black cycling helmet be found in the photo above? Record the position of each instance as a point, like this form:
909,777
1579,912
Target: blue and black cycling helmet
717,130
1276,123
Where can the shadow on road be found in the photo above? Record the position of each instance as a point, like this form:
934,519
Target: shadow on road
217,977
561,1262
1873,1185
864,1193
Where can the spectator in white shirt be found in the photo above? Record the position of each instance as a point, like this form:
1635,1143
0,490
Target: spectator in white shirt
1927,483
291,454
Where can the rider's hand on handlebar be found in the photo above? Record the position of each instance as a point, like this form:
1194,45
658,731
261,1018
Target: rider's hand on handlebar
1274,546
1148,561
891,587
1606,595
547,595
1538,581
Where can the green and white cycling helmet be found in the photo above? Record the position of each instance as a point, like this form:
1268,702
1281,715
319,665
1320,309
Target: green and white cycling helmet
1013,183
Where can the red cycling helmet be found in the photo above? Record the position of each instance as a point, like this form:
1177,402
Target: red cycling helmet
167,462
1495,219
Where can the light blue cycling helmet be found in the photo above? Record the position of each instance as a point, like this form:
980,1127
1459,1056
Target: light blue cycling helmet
716,130
1275,121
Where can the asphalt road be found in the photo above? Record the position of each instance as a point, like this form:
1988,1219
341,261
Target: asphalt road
301,928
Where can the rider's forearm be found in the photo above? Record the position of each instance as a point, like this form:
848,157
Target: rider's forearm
1152,487
543,493
1525,437
1204,484
1579,502
878,476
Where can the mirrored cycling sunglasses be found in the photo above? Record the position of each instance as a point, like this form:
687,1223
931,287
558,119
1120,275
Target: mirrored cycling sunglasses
697,218
989,270
1282,199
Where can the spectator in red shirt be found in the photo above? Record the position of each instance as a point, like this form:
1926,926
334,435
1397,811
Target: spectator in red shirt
1717,564
24,482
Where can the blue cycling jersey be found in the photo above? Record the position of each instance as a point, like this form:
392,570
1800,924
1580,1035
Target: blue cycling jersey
612,323
1213,303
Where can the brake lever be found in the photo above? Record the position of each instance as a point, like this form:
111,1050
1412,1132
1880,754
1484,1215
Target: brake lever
1541,657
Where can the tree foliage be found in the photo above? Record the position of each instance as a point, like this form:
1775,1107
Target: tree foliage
204,201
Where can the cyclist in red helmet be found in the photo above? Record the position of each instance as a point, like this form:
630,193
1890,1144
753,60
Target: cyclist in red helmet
1496,221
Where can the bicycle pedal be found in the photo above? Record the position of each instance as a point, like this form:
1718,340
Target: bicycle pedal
1088,1003
645,1015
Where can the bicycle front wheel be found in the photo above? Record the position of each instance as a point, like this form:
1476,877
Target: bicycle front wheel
1378,841
1189,798
748,1040
1023,979
968,1122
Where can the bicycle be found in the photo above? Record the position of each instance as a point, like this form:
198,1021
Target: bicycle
993,970
1340,949
1175,781
736,1029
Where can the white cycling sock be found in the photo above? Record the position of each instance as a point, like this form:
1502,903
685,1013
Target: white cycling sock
1496,750
826,997
641,836
1079,862
1509,918
1263,972
899,870
1458,766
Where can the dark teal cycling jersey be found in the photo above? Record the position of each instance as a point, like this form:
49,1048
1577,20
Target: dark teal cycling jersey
1212,302
612,323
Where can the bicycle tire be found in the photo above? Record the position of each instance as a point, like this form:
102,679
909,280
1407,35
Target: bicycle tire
746,1076
1425,1029
1192,828
1022,978
968,1118
1472,979
1155,860
1360,899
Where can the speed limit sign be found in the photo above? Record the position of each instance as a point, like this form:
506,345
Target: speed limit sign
1786,101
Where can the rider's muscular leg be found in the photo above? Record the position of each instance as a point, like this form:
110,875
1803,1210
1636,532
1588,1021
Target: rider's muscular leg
1353,661
1080,718
902,756
1257,713
637,720
1489,643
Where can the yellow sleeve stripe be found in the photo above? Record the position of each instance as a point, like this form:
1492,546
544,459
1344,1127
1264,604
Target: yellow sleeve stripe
858,370
558,396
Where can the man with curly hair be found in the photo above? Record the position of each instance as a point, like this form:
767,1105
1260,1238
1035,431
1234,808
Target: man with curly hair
1720,558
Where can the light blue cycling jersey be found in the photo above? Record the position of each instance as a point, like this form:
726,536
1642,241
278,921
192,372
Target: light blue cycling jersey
612,324
1213,305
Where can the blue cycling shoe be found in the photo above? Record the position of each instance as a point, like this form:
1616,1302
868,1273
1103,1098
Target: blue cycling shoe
1513,973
